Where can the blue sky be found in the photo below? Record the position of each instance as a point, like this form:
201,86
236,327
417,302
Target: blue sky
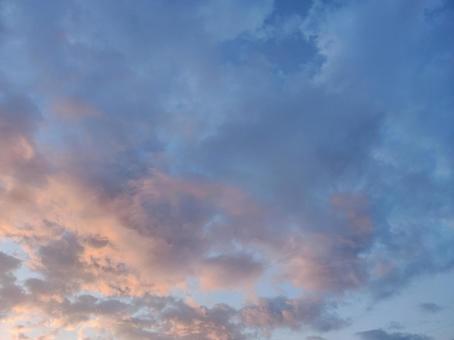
226,170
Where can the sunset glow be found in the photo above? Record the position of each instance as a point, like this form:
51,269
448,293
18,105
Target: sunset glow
227,169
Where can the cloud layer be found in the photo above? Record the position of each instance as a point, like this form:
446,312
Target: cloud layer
160,159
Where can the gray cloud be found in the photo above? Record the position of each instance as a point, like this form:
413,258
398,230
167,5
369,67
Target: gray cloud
8,263
11,294
19,158
291,313
430,307
379,334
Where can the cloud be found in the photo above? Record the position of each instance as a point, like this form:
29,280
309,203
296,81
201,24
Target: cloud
218,17
291,313
151,145
430,307
8,263
378,334
154,317
11,294
20,162
230,270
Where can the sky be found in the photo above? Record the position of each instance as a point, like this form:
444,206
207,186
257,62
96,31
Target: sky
227,169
